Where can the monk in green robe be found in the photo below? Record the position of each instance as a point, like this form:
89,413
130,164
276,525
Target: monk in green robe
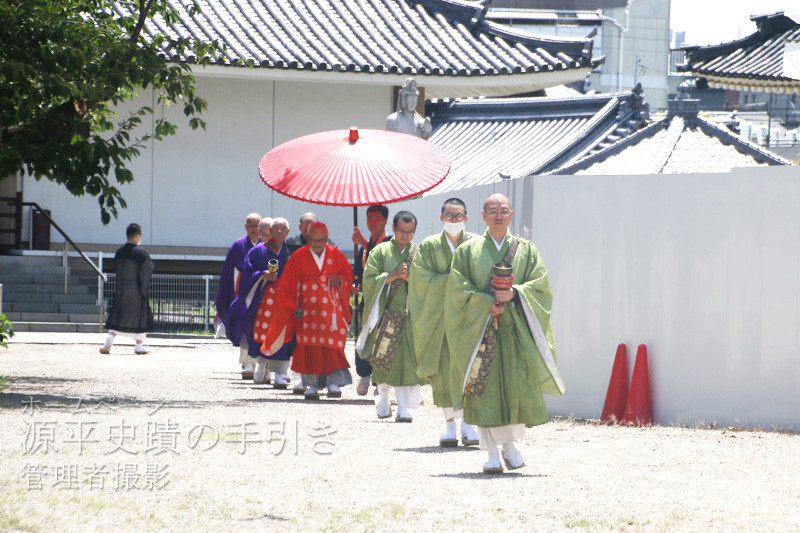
501,339
427,285
386,276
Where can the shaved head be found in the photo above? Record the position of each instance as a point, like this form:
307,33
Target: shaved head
306,220
317,237
318,227
251,226
264,231
308,217
496,197
279,230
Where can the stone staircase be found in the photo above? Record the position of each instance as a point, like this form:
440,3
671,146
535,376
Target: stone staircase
33,294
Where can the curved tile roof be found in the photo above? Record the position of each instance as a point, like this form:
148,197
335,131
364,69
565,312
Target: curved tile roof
754,60
676,145
489,139
447,38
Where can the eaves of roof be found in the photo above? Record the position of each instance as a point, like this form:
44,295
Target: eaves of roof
430,38
490,140
754,61
657,155
752,84
435,87
744,146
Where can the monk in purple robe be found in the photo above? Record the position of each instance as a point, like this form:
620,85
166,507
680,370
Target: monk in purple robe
226,290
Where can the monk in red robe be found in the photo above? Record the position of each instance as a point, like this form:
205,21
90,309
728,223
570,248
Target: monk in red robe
314,302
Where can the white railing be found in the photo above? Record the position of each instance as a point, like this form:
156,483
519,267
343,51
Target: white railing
181,303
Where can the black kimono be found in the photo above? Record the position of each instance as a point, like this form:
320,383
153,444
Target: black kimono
130,311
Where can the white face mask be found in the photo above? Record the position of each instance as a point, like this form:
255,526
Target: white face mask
454,229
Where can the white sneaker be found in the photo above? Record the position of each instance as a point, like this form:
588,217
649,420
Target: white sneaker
261,373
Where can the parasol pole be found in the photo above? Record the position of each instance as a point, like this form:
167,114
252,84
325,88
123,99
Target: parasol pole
355,254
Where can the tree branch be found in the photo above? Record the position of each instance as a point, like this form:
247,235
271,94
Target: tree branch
144,9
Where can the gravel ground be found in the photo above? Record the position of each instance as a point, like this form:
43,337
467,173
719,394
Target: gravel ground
174,440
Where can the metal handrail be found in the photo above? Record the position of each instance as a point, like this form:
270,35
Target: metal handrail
66,238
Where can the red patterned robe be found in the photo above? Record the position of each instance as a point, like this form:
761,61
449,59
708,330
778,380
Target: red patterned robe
322,330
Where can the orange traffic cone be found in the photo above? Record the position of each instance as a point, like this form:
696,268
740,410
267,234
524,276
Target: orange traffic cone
614,407
639,411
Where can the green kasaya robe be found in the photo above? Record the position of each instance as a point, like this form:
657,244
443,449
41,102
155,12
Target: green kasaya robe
524,364
427,286
383,260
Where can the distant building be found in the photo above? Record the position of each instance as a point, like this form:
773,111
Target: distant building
632,36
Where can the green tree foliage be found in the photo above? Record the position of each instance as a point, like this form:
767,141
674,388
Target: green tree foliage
6,330
65,65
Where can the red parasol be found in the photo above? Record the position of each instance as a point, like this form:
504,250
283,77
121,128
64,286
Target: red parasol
355,167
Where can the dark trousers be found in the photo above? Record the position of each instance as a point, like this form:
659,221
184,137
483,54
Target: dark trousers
363,368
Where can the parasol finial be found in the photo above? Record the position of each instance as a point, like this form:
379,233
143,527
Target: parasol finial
353,135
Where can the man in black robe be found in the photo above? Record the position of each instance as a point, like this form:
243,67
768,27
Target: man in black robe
130,314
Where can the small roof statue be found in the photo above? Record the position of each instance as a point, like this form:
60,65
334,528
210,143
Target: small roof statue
406,119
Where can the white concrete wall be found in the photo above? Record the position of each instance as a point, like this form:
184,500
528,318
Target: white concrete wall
195,188
703,269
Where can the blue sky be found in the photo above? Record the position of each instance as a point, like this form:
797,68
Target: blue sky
716,21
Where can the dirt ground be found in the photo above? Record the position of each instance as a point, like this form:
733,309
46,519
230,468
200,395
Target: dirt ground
175,440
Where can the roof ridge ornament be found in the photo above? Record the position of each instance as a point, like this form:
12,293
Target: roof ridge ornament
480,13
684,105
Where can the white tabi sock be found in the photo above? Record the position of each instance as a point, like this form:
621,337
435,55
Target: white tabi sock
260,375
468,431
510,449
494,458
109,341
512,454
383,399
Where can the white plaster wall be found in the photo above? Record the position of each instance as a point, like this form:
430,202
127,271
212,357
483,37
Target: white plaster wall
703,269
79,217
195,188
